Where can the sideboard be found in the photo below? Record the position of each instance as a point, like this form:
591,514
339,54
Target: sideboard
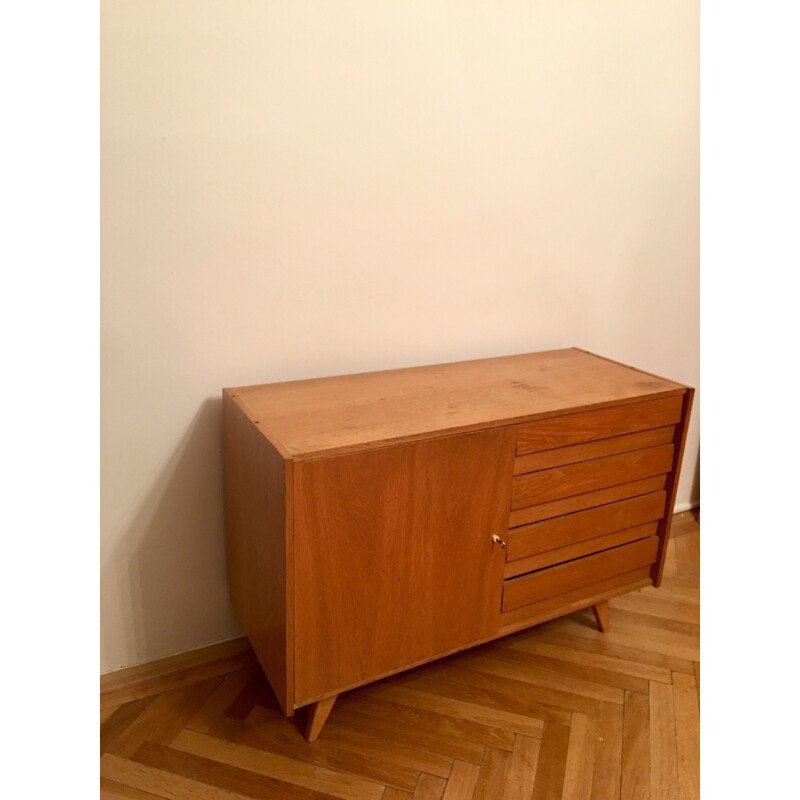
382,520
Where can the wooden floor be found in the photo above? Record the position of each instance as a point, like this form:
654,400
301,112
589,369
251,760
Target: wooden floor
559,710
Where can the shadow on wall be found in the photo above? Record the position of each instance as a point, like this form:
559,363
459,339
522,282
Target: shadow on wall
174,550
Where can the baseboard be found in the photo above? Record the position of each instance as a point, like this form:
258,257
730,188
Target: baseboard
153,677
681,507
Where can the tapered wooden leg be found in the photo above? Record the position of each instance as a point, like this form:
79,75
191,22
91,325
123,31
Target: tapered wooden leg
601,615
317,714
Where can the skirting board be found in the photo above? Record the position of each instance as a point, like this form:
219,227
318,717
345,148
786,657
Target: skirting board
153,677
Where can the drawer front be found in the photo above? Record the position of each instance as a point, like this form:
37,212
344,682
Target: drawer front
573,575
587,426
567,530
546,459
556,508
546,485
565,603
569,552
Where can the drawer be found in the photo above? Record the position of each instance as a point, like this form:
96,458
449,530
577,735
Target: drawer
542,610
603,423
593,522
589,450
589,476
556,508
573,575
560,555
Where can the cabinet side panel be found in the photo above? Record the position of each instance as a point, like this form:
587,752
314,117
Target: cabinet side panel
256,482
672,486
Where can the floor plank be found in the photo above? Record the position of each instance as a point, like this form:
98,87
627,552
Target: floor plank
607,775
462,781
220,775
663,743
635,783
552,763
492,775
300,773
395,794
522,769
429,787
221,699
458,709
111,790
580,758
571,652
687,731
347,751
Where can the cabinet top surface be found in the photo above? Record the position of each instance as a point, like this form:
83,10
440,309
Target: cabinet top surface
324,416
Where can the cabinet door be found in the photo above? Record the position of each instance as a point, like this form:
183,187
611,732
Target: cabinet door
394,559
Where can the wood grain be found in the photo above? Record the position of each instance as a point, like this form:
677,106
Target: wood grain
567,602
594,545
473,712
663,743
395,794
341,748
545,459
573,651
687,730
188,767
492,775
468,736
462,780
578,502
111,790
607,771
162,719
569,669
585,571
258,516
636,748
159,783
429,787
547,674
601,615
571,528
163,674
579,768
547,485
225,693
288,770
376,589
494,691
552,763
570,429
522,769
346,413
681,432
317,714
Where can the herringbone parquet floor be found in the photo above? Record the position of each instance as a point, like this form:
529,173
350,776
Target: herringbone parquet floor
557,711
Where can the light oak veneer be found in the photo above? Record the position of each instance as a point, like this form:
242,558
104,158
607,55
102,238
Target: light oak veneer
380,521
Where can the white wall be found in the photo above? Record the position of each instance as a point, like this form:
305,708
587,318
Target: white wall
298,189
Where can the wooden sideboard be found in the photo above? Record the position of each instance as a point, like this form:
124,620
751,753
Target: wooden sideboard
382,520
